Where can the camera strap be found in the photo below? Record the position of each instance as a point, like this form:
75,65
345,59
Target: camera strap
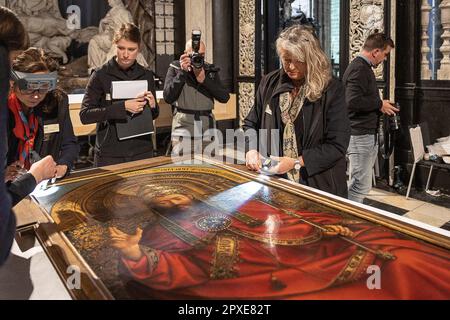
386,139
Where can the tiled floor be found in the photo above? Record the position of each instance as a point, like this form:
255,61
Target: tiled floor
428,213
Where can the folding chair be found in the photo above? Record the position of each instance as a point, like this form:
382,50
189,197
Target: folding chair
419,152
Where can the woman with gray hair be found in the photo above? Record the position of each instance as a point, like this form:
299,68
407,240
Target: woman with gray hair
303,110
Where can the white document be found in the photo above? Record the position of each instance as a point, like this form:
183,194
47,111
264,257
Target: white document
124,90
75,98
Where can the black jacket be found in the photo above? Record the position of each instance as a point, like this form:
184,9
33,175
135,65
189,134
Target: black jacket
362,97
21,188
7,218
96,108
62,145
177,78
325,134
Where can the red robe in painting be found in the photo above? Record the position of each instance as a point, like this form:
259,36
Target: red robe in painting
327,268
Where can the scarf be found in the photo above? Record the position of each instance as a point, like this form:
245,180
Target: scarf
25,130
289,113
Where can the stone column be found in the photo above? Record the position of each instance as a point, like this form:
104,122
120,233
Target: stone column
199,16
444,71
223,40
425,50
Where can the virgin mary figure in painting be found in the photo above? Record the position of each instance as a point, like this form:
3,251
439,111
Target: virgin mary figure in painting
197,251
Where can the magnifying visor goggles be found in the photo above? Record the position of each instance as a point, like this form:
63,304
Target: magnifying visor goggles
30,83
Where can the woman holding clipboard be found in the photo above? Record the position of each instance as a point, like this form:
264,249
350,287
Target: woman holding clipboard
99,106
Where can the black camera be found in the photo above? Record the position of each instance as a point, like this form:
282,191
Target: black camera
197,59
394,121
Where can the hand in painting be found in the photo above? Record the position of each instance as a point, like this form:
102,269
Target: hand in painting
336,230
127,244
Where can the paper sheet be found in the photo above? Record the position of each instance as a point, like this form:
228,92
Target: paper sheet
123,90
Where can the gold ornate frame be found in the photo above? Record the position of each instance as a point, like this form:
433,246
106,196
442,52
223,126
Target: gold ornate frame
63,254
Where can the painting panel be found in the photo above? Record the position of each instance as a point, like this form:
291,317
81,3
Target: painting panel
213,232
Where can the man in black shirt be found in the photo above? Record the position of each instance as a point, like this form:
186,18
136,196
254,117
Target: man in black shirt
365,108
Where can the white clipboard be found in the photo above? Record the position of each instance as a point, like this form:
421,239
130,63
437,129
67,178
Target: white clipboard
124,90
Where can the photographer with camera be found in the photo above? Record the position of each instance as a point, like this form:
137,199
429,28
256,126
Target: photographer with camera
191,86
365,109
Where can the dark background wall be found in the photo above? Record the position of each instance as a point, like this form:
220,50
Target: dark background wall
422,101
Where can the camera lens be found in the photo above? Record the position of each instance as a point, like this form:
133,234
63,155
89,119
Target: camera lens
197,60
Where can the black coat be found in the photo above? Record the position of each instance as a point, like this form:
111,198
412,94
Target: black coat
362,97
7,218
63,145
326,130
96,108
177,78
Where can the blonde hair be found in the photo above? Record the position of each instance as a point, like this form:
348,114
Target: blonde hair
305,47
128,31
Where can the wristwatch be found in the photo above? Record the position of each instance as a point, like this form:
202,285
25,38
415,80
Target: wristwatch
297,165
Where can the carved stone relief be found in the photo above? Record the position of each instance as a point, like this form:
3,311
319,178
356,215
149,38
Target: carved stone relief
246,99
46,27
365,17
143,12
101,46
247,41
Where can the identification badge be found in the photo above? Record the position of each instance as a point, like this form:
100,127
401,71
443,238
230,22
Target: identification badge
108,97
51,128
268,110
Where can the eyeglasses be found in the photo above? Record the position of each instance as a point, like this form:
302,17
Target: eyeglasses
288,62
30,83
36,87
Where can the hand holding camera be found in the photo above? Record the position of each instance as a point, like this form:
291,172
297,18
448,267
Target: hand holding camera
388,108
185,62
197,58
193,59
393,113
